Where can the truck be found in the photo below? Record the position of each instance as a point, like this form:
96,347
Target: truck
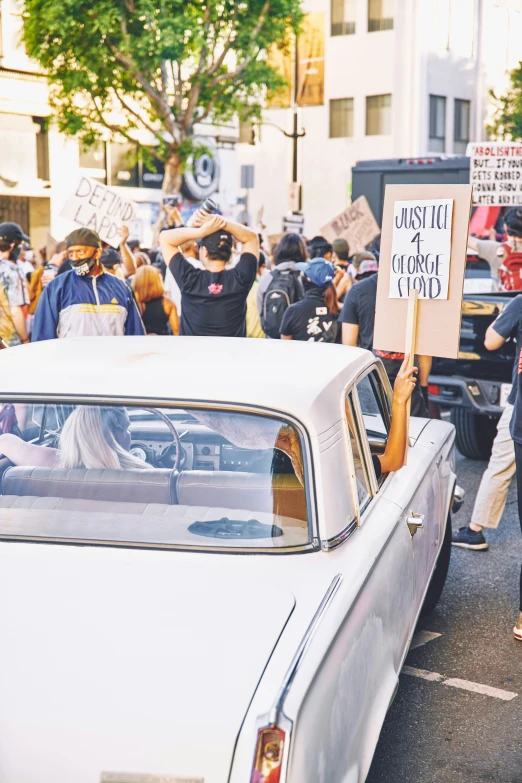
475,386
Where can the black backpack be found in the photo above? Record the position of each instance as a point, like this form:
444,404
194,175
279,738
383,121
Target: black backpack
285,288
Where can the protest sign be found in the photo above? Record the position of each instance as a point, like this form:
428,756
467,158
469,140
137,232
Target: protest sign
99,208
421,247
293,224
437,329
496,173
356,224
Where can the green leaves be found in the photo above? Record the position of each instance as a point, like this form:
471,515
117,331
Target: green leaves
120,67
507,119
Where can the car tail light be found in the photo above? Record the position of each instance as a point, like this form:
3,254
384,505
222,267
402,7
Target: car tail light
433,388
269,756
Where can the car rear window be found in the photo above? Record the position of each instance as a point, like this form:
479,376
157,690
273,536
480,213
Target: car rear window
157,476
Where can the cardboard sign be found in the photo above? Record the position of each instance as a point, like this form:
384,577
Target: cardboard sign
438,320
95,206
293,224
356,224
421,247
495,172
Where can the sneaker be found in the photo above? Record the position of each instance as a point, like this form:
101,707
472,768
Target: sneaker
517,630
467,538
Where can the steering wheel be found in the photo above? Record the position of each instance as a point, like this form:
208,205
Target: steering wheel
175,437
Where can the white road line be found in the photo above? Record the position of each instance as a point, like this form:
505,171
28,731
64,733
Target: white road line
454,682
423,637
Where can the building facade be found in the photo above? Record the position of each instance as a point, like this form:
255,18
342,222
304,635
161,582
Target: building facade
382,79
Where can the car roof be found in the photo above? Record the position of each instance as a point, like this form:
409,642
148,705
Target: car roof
303,379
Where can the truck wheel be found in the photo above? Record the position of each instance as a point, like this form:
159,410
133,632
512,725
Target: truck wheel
438,580
475,434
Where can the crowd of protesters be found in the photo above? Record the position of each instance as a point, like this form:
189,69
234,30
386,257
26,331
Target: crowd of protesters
215,277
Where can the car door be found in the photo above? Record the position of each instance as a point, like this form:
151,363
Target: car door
415,488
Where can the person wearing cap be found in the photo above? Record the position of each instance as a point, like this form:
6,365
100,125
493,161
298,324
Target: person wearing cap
13,282
341,261
110,260
319,247
213,299
314,318
86,301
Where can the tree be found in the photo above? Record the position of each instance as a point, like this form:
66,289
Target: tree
507,119
117,67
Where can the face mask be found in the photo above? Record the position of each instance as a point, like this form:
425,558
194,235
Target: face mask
29,255
15,253
83,266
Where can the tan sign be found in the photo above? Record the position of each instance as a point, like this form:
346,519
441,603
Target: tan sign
438,321
356,224
95,206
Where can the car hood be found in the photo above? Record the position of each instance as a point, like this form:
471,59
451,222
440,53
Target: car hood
135,662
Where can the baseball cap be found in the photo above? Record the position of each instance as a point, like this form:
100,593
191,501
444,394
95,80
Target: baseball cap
367,267
340,246
218,242
83,236
12,232
110,257
318,270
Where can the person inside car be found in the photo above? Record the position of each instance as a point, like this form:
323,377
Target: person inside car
92,437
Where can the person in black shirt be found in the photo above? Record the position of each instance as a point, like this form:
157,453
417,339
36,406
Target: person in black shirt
314,318
213,300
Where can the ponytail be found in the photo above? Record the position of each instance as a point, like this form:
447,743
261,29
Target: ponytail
330,300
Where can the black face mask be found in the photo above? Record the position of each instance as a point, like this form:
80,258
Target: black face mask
83,266
14,255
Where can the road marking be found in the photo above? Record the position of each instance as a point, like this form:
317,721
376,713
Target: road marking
423,637
454,682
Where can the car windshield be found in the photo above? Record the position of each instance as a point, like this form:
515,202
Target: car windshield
171,477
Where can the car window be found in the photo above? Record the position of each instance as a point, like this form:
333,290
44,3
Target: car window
200,477
361,477
374,413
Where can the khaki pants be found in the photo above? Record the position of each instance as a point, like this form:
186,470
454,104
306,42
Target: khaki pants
492,493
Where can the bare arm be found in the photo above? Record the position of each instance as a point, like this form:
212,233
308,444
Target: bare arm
170,309
17,314
248,238
493,339
393,457
172,239
472,242
19,452
350,334
286,337
127,258
425,363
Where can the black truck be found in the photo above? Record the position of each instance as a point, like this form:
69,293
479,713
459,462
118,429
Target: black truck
474,386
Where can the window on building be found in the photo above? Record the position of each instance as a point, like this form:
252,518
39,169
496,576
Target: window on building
343,17
42,148
461,125
378,115
124,165
341,118
94,160
380,15
437,139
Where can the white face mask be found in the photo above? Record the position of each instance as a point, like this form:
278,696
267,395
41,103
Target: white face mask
28,255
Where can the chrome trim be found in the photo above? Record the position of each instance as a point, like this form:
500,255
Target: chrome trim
276,712
161,402
339,539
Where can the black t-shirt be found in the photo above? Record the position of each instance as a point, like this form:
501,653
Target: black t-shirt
359,308
310,320
509,324
214,303
377,466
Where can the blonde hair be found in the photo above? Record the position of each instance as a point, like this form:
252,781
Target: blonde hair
148,284
87,440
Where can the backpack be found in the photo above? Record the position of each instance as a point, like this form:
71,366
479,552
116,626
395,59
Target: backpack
510,271
284,289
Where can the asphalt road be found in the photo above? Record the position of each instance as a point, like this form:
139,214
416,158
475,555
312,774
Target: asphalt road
439,734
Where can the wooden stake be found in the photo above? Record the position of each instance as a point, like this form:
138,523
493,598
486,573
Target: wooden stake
409,348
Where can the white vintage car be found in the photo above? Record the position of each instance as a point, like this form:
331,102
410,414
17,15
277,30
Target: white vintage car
202,579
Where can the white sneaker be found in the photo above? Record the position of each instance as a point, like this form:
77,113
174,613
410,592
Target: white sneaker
517,630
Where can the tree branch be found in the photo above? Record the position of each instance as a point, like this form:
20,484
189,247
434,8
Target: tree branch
248,59
226,46
116,129
140,119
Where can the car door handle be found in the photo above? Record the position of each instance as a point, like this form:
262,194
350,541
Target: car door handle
414,522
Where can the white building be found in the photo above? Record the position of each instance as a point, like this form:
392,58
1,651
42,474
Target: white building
40,168
402,79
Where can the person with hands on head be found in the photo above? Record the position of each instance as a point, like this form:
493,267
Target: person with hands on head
213,299
397,443
127,258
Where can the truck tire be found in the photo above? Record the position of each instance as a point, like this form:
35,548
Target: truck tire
475,434
438,579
